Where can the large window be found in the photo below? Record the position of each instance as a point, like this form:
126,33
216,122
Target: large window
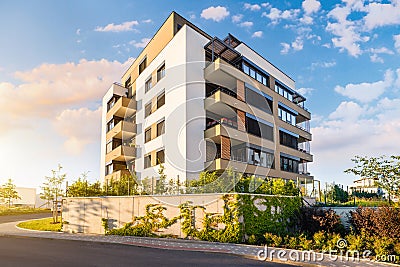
112,102
259,129
255,73
147,161
289,164
161,100
283,91
161,128
260,158
286,116
147,110
161,72
160,156
148,84
252,154
109,169
113,122
258,100
288,140
142,65
147,135
113,144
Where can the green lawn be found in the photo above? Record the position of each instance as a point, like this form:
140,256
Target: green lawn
41,225
21,210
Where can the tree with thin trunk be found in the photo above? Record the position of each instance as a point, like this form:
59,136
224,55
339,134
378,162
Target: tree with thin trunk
52,189
386,169
8,192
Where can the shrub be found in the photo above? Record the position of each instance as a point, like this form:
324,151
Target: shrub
252,240
271,239
304,243
383,246
310,220
319,239
381,222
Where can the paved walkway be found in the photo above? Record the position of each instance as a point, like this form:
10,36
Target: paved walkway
10,229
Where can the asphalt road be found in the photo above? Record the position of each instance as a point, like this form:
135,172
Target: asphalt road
22,217
23,251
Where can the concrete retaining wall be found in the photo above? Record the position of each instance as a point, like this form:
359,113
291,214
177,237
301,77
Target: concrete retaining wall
84,214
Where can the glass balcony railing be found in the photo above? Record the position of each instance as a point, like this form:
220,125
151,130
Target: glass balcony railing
222,121
223,90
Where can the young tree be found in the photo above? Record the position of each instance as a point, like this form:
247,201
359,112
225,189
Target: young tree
83,188
161,184
8,192
386,169
52,189
336,194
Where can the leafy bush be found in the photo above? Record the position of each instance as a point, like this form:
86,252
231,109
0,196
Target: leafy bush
274,240
305,243
319,240
311,220
381,222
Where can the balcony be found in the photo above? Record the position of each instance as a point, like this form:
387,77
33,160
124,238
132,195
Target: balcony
123,130
302,154
124,107
115,176
304,135
121,153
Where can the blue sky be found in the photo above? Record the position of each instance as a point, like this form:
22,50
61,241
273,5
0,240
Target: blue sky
58,58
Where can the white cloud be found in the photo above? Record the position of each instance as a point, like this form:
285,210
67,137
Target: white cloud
285,48
347,111
379,14
266,5
50,88
326,64
237,18
78,32
366,92
305,91
123,27
381,50
311,6
79,126
376,59
257,34
396,39
147,21
353,130
254,7
140,44
297,45
275,14
375,54
351,33
307,20
217,13
246,24
192,16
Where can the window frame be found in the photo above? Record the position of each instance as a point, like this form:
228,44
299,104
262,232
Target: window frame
146,137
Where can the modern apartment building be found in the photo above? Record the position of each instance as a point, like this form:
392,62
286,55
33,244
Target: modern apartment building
195,102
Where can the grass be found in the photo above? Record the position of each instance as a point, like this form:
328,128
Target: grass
41,225
21,210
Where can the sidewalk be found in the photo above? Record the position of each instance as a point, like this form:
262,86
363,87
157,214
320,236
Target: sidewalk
10,229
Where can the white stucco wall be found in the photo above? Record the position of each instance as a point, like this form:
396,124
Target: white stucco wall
184,94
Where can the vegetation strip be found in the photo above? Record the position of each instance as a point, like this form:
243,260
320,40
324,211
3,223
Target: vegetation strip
45,224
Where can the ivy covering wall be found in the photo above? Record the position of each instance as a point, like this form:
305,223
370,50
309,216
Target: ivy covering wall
244,217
